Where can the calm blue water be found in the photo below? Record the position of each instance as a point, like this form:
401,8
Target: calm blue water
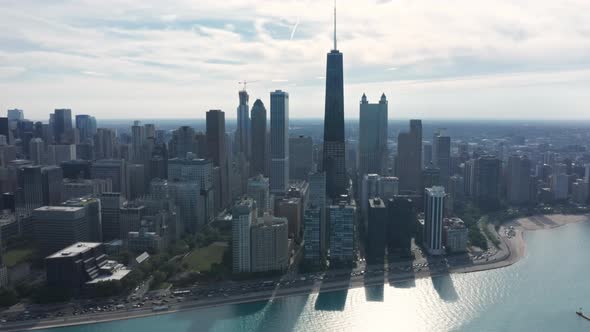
540,293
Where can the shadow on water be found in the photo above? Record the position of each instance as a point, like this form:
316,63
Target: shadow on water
400,278
206,319
373,281
331,300
334,300
280,314
442,282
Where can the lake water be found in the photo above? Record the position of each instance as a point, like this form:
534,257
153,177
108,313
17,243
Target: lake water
539,293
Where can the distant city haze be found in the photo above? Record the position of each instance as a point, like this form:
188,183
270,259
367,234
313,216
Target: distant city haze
178,59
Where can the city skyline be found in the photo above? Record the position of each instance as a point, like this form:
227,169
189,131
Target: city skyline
505,60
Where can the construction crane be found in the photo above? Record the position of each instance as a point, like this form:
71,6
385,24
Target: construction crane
244,83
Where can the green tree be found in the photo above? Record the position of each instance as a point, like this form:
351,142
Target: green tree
8,297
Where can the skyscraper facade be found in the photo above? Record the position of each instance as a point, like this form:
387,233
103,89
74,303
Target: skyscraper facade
376,230
269,244
5,130
52,184
442,157
244,214
57,227
300,157
258,190
279,141
243,128
433,219
111,204
216,148
138,139
342,221
486,178
114,169
258,133
372,136
315,219
334,161
31,183
409,158
518,182
86,126
62,125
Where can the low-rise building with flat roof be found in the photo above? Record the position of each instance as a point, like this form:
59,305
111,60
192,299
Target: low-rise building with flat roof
80,265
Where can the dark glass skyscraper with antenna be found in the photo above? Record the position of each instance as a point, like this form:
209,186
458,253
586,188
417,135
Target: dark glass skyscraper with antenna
334,147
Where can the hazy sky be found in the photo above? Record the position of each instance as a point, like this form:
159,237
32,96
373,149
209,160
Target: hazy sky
178,58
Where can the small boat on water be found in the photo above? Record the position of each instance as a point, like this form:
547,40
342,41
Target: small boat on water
581,314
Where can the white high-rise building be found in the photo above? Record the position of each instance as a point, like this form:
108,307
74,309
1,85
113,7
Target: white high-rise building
258,189
315,220
433,220
270,244
279,141
244,214
36,151
342,220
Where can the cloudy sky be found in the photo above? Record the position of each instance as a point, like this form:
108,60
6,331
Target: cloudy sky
178,58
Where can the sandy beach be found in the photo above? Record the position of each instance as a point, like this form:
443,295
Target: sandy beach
517,243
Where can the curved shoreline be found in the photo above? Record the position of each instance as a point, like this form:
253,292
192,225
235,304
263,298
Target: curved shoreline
512,249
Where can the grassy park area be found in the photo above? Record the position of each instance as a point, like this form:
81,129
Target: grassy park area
14,257
201,259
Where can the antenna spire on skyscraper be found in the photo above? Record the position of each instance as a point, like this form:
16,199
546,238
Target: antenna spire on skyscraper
335,46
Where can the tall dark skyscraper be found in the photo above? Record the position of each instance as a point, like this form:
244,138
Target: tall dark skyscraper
372,136
5,130
216,149
279,141
487,181
441,151
409,158
86,125
258,115
243,129
334,147
62,124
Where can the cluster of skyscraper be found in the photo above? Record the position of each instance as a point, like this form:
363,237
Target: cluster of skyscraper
65,183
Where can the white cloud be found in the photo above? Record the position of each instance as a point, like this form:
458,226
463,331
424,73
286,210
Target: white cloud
199,54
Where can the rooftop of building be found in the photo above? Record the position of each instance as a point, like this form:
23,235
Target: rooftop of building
376,202
142,258
436,191
189,160
75,249
7,217
454,222
258,180
79,181
270,220
79,201
111,271
289,200
115,242
59,208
